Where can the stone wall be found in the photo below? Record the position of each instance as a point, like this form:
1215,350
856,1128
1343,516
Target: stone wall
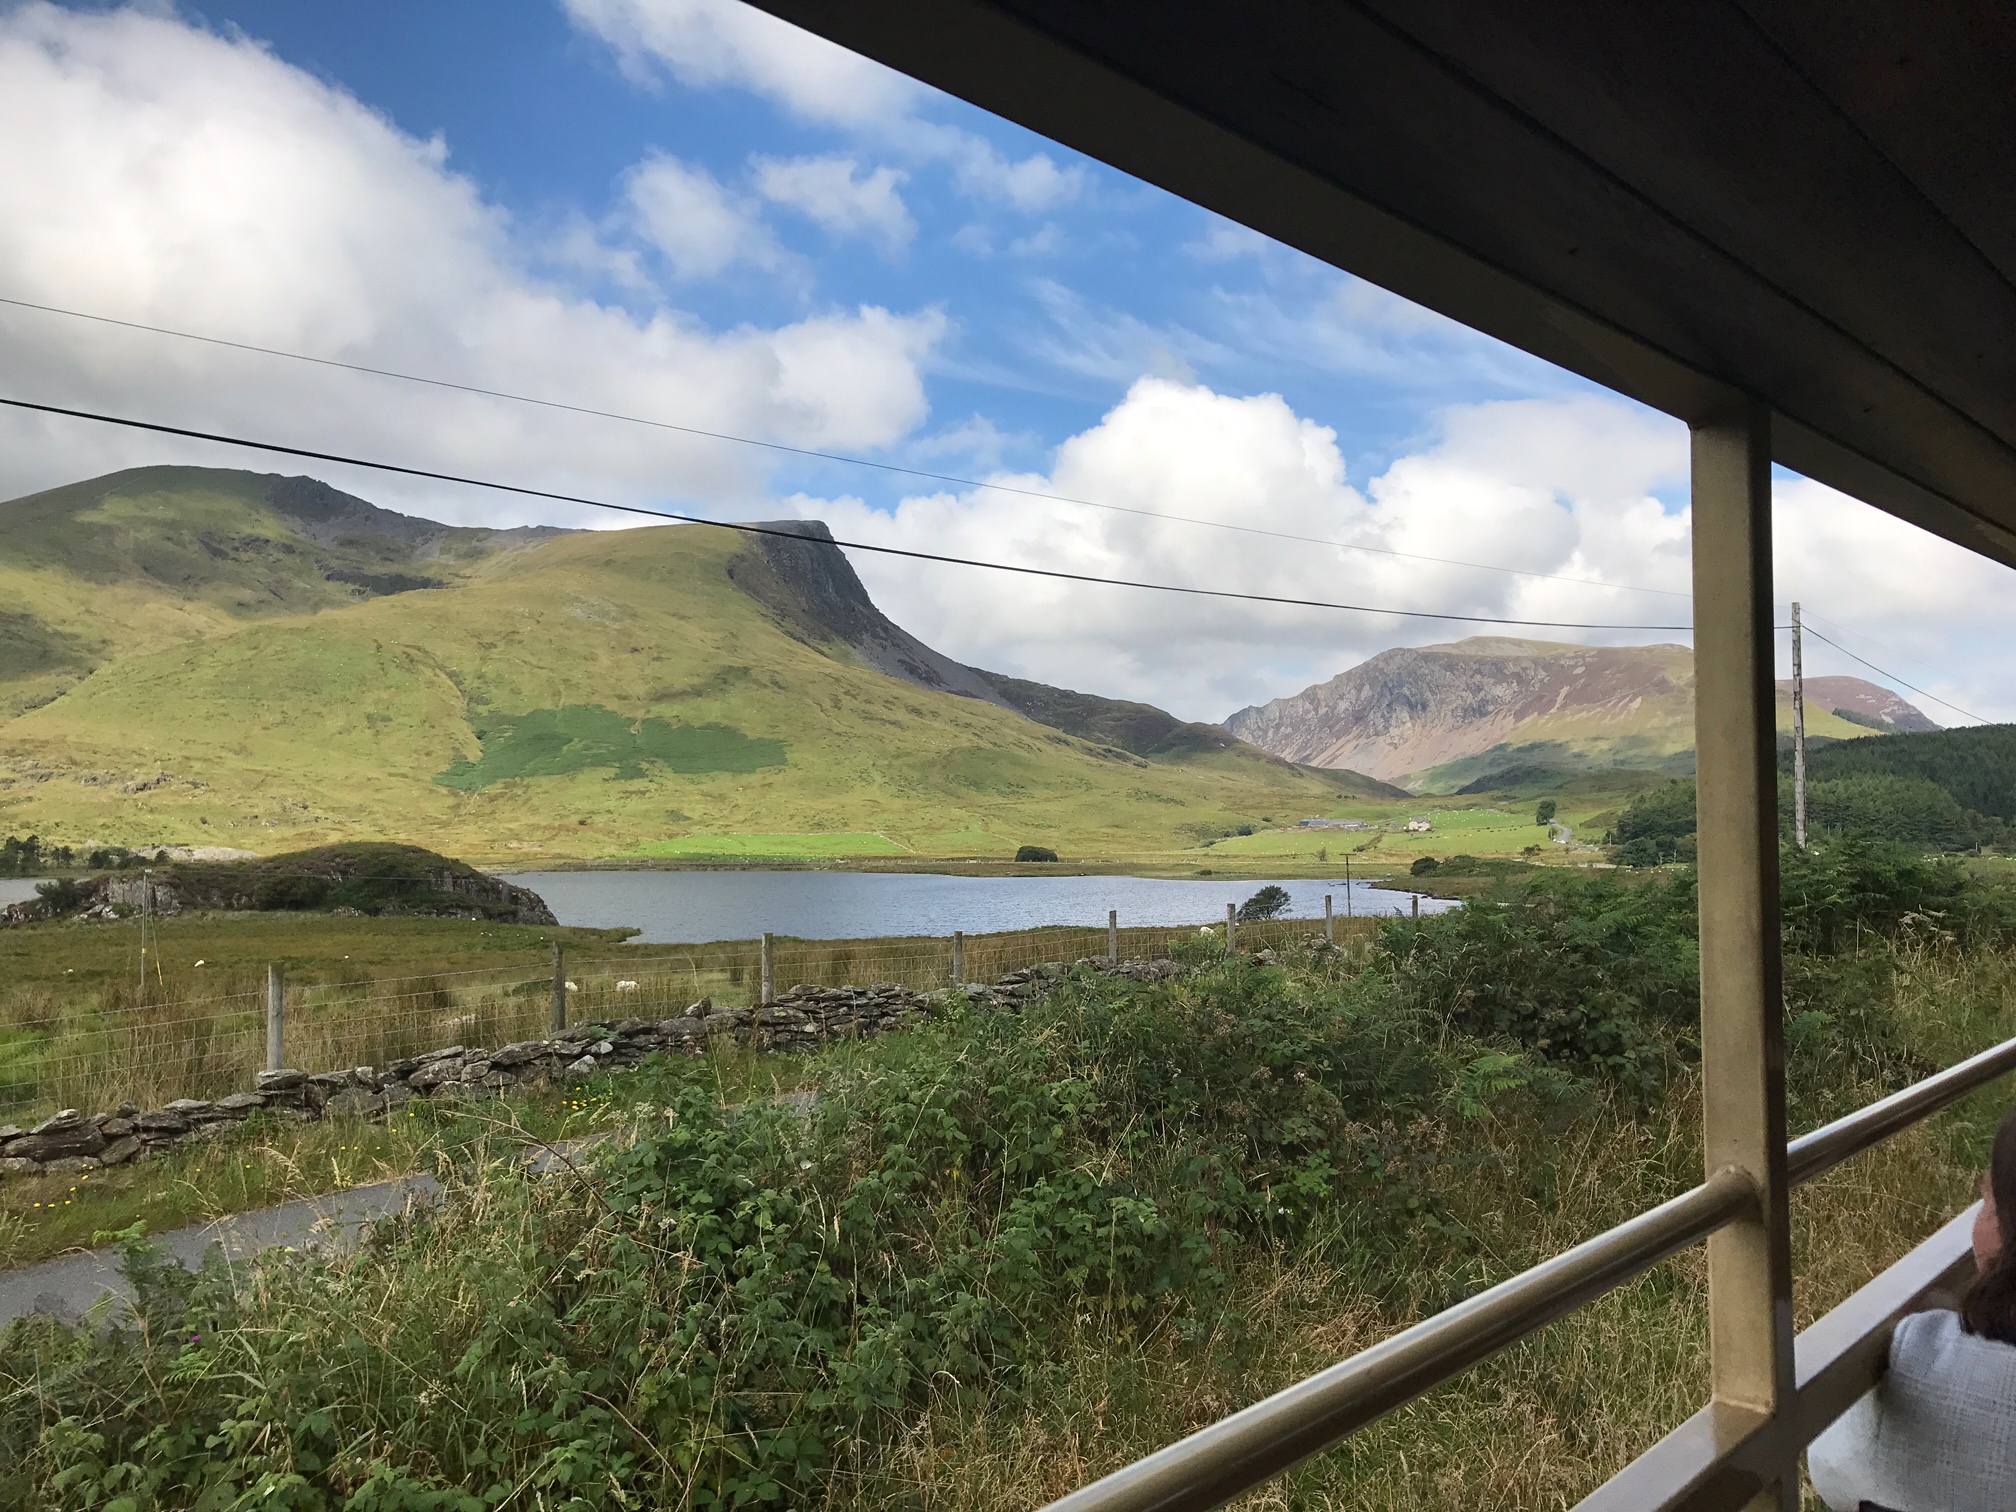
801,1019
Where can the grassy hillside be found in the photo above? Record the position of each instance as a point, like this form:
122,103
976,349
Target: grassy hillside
586,695
1976,766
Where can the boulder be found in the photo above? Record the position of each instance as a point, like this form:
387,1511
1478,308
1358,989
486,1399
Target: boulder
119,1127
119,1151
396,1095
57,1123
520,1053
19,1165
70,1165
79,1139
238,1104
354,1102
582,1067
474,1070
162,1123
280,1081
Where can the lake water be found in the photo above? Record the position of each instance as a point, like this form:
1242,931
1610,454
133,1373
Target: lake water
18,889
694,907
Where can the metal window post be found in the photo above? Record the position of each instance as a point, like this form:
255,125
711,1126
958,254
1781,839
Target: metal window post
1742,1027
1798,734
559,989
1112,937
276,1017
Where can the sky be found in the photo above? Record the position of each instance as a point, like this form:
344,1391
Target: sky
688,212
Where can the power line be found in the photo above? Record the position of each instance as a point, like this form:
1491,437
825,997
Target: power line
790,535
1894,677
822,456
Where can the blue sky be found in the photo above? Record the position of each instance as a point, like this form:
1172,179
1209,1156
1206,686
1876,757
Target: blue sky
1055,309
686,210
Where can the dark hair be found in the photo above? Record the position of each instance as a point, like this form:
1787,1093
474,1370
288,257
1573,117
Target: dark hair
1989,1308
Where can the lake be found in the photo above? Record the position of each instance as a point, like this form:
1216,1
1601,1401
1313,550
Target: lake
18,889
694,907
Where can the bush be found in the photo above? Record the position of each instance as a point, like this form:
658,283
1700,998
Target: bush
292,891
1423,865
1544,814
1264,904
1035,853
62,897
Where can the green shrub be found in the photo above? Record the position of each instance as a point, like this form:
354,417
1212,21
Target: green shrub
1264,904
1035,853
296,891
1423,865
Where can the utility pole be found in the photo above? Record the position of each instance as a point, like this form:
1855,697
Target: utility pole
1798,735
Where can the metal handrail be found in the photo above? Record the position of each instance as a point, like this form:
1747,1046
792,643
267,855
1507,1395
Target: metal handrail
1826,1147
1241,1452
1232,1456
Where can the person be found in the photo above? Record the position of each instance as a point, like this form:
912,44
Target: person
1938,1433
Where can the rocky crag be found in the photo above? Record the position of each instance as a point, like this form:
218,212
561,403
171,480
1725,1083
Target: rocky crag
1412,715
801,1020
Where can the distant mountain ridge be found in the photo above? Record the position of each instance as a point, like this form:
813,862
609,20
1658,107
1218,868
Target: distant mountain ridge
1436,718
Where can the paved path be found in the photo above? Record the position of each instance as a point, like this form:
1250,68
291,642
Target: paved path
69,1285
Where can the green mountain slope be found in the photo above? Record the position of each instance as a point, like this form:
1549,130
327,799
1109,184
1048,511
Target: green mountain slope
209,657
1976,766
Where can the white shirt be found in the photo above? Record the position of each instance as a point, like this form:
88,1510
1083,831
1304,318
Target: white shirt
1937,1434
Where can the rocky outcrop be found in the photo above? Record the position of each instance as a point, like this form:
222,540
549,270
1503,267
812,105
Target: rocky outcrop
802,1019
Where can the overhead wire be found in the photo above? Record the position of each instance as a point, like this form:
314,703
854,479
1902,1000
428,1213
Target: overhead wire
1894,677
792,535
826,456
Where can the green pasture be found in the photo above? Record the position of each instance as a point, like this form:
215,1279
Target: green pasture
793,847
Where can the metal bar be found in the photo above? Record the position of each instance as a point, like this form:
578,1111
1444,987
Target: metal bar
1742,1014
1243,1451
1826,1147
1720,1457
1798,733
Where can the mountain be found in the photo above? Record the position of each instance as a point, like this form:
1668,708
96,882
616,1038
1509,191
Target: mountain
1440,718
202,656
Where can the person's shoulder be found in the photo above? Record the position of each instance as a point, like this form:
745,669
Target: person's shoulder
1935,1337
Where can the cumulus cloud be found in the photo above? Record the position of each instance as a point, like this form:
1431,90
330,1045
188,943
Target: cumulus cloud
700,227
1176,448
186,179
836,194
716,43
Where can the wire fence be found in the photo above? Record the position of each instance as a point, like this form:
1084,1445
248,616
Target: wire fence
95,1052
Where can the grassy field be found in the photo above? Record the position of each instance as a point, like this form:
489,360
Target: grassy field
78,1029
1106,1221
786,847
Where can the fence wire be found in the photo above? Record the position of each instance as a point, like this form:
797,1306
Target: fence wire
62,1050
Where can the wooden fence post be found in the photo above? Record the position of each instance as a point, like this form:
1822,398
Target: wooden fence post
958,957
276,1017
1329,922
559,988
1112,937
769,969
1231,928
1417,905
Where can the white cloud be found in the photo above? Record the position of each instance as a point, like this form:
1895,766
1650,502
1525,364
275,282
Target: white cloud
1565,487
835,193
716,43
701,228
708,43
1179,449
185,179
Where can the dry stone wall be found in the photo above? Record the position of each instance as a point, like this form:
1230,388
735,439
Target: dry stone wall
802,1019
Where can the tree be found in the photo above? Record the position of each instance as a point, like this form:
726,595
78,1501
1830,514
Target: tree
1264,904
1545,813
1035,853
1424,865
